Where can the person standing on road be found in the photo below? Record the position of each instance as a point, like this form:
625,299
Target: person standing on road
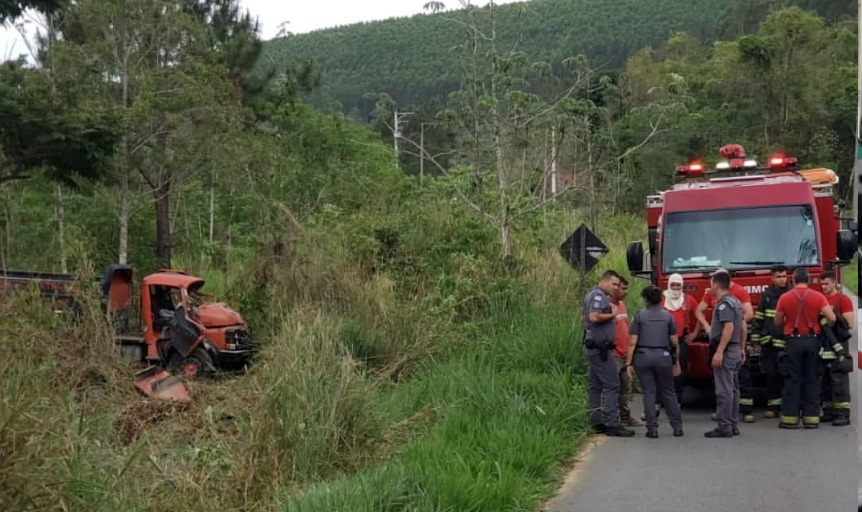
771,339
709,302
835,391
726,336
604,380
653,335
621,351
681,307
798,311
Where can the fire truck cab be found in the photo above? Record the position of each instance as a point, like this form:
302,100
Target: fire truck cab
745,217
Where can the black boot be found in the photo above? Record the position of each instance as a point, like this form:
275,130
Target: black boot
619,432
718,433
841,420
652,432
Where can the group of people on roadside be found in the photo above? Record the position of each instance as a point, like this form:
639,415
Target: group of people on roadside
786,332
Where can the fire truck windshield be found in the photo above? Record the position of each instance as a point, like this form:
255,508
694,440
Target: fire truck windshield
739,238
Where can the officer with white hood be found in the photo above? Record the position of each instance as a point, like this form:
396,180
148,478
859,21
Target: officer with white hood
681,307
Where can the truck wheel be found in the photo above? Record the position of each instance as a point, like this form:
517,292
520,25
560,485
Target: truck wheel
198,364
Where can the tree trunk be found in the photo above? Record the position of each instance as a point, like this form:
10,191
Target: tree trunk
554,162
61,228
212,211
162,195
125,196
125,213
7,221
505,242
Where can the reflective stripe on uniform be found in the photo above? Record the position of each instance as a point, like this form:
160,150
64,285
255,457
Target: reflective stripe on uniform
778,342
746,401
789,420
828,355
769,313
811,420
774,401
838,348
759,314
754,338
841,405
828,405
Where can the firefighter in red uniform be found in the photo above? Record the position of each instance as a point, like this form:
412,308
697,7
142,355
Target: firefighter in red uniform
746,402
771,339
835,391
798,311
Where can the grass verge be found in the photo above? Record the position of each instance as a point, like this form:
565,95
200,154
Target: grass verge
850,276
507,415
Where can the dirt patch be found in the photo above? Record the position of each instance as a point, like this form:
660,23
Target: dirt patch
139,416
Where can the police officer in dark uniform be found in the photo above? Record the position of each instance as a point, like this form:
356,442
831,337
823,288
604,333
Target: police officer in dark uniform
798,311
726,342
651,354
771,339
604,378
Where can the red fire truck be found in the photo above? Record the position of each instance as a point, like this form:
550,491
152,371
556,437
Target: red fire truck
745,217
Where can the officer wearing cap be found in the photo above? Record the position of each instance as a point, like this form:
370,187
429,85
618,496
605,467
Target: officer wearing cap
726,339
798,311
604,378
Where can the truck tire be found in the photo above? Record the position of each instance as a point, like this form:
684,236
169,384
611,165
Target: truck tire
196,365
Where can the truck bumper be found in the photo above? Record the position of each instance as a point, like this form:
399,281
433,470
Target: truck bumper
235,358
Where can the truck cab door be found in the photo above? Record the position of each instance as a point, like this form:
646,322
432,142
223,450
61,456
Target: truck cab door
116,288
185,332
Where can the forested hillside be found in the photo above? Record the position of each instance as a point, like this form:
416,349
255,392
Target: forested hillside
412,59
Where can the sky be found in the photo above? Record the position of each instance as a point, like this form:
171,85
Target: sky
297,16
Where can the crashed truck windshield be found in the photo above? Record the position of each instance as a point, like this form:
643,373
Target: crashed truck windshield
740,238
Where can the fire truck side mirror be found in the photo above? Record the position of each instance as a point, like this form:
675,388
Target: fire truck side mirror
847,242
635,256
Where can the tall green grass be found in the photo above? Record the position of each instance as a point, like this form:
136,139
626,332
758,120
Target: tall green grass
507,415
850,276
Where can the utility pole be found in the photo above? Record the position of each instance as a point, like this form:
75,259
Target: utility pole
554,163
396,129
422,151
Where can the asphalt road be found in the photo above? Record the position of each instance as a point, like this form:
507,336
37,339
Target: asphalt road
764,469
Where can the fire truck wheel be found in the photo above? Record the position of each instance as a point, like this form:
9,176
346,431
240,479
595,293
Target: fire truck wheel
198,364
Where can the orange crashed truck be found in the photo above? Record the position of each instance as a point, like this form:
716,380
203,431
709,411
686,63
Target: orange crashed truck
175,327
167,324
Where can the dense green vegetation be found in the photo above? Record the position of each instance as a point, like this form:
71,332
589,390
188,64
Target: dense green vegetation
412,59
419,347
